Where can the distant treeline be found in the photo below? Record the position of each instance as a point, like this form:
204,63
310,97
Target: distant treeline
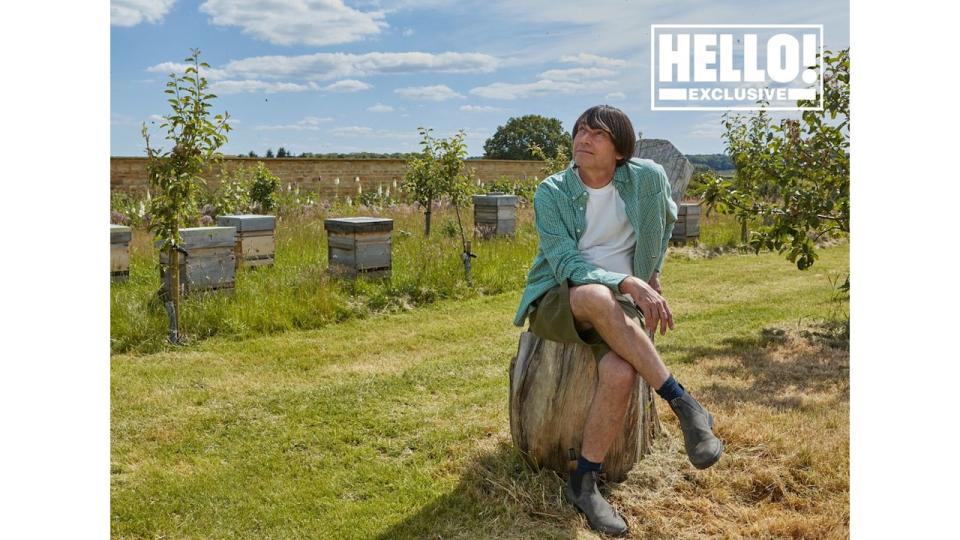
284,153
717,162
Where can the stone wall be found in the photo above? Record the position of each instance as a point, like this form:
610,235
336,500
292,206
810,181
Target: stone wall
130,174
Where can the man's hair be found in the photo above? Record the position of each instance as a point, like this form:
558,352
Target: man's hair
615,122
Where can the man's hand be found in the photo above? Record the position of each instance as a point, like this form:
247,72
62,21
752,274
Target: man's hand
652,305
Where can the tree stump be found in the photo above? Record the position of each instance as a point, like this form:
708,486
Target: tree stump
551,387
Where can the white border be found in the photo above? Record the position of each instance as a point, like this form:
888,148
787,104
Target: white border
653,32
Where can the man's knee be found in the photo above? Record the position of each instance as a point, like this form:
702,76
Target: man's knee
590,300
617,372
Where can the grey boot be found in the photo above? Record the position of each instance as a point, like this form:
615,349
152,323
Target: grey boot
586,498
703,447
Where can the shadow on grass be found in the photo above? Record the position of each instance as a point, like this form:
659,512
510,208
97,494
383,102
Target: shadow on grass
499,496
783,367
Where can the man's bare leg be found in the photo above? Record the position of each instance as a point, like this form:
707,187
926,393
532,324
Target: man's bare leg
617,379
594,305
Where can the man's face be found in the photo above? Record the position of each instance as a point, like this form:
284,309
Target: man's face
594,149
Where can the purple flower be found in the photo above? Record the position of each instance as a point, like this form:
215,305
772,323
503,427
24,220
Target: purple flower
118,218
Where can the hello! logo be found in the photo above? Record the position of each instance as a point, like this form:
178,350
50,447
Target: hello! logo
736,67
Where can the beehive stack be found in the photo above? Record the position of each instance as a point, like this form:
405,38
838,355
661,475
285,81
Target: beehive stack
494,214
209,263
687,226
120,252
359,246
255,244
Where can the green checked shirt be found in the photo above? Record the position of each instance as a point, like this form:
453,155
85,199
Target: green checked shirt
559,206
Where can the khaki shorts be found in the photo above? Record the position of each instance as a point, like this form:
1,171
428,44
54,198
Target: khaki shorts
553,319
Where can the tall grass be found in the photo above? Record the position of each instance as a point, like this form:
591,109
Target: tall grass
298,293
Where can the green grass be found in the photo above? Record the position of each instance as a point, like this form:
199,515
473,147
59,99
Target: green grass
396,426
297,293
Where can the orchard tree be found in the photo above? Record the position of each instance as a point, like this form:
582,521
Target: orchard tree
513,140
176,174
436,171
793,175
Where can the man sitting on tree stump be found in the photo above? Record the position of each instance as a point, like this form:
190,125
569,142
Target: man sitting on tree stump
604,224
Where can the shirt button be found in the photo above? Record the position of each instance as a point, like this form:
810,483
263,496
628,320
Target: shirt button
581,208
578,230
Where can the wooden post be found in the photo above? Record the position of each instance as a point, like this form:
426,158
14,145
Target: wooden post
551,387
174,273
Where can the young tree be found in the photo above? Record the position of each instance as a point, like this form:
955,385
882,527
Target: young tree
282,152
559,161
269,153
436,171
794,175
513,140
175,174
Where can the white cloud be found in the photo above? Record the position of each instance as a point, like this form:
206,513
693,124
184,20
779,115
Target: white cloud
348,85
351,131
708,129
407,32
307,22
438,92
309,123
117,119
616,95
324,66
575,74
133,12
166,68
479,108
365,132
251,85
593,60
380,108
542,87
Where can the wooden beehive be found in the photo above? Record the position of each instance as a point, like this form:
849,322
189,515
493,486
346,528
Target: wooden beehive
359,246
209,263
687,226
120,252
494,214
255,239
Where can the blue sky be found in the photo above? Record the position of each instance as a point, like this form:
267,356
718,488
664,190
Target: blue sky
334,76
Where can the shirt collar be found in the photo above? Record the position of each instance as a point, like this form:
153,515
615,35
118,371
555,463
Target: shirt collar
621,175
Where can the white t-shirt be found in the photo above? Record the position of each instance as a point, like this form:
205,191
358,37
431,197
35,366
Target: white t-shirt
608,241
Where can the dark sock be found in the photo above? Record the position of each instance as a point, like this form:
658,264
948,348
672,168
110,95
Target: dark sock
671,390
584,466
